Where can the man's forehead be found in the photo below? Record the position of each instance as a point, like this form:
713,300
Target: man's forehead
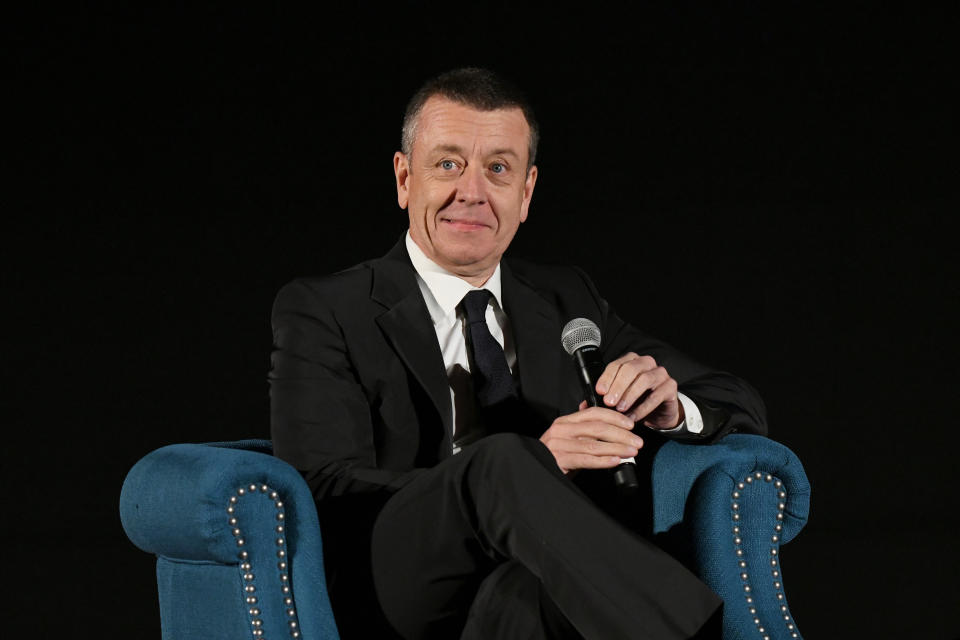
445,123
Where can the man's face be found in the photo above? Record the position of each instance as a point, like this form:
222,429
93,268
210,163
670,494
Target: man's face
465,186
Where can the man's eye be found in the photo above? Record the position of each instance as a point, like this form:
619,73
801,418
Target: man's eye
498,167
448,165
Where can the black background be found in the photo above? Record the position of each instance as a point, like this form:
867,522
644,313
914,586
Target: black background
770,189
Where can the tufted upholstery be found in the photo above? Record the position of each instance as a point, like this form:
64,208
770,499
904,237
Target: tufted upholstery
239,551
732,507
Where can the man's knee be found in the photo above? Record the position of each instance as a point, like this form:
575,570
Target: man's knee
503,443
508,454
509,446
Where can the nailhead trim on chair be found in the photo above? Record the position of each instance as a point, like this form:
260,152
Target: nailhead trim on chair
774,539
247,567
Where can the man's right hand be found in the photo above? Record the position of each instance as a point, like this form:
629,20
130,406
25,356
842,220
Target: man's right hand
591,438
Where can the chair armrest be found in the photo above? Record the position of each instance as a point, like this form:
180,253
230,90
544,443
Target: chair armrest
730,506
233,504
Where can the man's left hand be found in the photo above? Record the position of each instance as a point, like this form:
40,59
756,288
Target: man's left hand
637,387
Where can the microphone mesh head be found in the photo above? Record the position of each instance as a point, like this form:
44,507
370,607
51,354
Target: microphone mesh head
579,333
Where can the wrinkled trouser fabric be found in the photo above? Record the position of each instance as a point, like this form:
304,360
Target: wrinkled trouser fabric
495,542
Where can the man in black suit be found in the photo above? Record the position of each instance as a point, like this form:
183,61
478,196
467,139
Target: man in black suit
461,482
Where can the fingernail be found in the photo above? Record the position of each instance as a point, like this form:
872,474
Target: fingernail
621,406
610,399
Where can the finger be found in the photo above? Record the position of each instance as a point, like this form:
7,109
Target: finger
641,384
570,461
595,447
648,404
581,453
600,448
610,372
627,375
583,405
598,414
666,392
591,430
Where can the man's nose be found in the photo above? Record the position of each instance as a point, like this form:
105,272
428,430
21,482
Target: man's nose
471,187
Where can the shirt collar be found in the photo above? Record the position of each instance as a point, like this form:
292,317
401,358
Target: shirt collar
447,288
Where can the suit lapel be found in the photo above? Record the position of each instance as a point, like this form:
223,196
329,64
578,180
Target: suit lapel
535,324
407,325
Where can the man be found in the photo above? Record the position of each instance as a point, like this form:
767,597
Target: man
427,400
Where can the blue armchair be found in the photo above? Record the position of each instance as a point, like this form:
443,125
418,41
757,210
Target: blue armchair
239,553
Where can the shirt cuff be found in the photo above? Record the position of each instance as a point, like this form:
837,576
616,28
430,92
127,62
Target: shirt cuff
693,420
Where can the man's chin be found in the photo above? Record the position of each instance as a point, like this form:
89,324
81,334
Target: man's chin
470,261
466,248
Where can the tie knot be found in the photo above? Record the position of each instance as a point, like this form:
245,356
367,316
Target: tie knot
475,305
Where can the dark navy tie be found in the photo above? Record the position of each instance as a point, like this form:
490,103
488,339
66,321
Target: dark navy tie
492,381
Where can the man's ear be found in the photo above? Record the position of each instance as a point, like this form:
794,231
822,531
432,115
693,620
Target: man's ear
528,186
401,169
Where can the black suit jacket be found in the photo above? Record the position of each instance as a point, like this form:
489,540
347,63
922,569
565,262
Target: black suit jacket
360,400
359,395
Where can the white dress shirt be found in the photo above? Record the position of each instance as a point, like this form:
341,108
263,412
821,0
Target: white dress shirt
442,292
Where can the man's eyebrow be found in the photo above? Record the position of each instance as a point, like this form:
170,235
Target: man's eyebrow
447,148
454,148
505,152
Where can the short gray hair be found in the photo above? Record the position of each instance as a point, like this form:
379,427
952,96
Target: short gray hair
481,89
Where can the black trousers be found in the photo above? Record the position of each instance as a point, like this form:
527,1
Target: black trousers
496,543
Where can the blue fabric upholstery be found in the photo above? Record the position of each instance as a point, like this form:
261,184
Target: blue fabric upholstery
174,504
733,504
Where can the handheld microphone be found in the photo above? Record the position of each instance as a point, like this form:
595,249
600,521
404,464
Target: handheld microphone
581,340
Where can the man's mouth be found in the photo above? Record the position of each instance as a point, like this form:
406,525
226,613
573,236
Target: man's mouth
464,224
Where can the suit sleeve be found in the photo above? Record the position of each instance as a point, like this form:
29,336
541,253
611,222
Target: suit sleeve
727,403
320,419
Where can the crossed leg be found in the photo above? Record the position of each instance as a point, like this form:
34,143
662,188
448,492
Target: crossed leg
571,567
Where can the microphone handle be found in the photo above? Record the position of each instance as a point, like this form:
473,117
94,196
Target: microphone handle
591,368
